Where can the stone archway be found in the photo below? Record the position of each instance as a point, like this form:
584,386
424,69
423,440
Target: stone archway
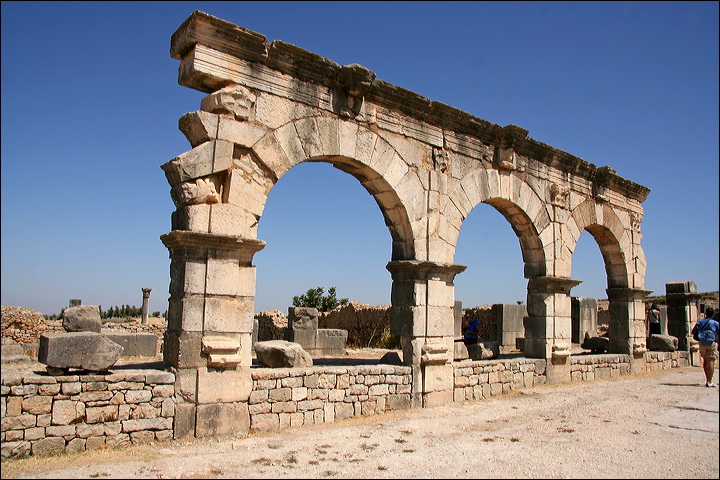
272,105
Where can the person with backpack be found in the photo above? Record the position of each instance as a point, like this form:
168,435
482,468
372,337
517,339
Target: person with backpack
652,322
706,333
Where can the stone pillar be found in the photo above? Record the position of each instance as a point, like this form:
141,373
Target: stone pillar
548,326
584,318
209,331
682,312
145,305
422,314
627,324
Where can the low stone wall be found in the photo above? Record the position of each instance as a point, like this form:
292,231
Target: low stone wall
481,379
271,325
288,397
42,414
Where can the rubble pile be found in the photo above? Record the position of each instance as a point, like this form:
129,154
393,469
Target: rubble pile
23,325
272,325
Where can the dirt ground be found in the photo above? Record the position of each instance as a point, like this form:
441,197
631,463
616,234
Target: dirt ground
660,425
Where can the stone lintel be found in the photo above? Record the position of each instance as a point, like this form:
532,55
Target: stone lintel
423,270
246,45
179,241
548,284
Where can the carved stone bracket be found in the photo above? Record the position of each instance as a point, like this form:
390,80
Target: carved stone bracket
221,351
559,195
601,180
561,350
434,354
353,82
233,100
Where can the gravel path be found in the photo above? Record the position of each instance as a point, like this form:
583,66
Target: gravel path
660,425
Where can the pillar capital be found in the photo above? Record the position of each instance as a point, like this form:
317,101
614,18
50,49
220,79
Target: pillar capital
184,243
627,293
548,284
423,270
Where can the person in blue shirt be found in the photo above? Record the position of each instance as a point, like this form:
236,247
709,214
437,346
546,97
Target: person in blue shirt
472,333
706,333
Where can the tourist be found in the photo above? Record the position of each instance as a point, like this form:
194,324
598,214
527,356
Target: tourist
652,321
472,333
706,333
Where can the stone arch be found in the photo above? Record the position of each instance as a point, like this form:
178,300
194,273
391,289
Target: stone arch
353,149
522,208
603,223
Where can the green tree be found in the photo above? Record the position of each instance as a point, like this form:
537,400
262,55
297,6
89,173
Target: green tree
314,298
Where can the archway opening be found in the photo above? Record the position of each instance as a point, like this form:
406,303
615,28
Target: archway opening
490,248
322,229
588,265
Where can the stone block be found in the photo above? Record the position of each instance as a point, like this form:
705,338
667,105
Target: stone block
596,344
663,343
135,344
391,358
681,287
280,353
331,341
223,386
82,318
484,350
222,419
460,351
85,350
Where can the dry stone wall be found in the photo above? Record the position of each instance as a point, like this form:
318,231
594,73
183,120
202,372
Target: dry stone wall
364,323
289,397
43,414
23,325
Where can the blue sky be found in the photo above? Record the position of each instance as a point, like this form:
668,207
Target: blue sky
90,104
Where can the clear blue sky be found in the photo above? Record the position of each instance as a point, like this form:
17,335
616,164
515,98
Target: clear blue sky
90,105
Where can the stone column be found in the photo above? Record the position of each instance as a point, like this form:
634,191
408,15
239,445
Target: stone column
682,312
209,332
422,314
627,321
145,305
548,326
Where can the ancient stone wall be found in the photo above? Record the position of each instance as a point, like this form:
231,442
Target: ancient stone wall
364,323
272,325
44,415
286,397
23,325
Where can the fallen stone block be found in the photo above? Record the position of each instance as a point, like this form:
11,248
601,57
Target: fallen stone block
82,318
596,344
663,343
391,358
281,353
483,350
460,351
84,350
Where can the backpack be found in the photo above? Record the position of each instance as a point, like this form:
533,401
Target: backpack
703,333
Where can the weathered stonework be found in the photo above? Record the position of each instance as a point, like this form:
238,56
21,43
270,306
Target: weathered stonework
272,105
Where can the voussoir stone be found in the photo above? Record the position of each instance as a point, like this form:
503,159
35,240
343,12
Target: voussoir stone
85,350
281,353
82,318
